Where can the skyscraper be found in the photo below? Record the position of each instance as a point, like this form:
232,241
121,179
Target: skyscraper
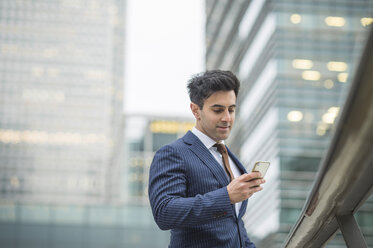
295,60
60,100
67,178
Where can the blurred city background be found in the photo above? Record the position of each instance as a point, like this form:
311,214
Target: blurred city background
90,89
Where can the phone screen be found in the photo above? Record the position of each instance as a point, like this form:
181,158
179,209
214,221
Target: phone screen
262,167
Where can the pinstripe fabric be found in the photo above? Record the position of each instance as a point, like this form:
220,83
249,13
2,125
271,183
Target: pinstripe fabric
188,194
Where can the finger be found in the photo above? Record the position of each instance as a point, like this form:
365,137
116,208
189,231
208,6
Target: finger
250,176
256,189
255,182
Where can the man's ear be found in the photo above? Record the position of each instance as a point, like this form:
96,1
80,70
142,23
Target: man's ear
195,110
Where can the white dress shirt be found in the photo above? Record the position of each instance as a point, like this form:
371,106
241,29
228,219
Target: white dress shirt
209,143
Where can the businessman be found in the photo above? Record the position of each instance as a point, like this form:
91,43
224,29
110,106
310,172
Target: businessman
197,187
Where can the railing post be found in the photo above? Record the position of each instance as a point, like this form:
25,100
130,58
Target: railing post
351,231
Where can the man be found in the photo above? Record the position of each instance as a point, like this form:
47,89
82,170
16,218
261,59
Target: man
193,189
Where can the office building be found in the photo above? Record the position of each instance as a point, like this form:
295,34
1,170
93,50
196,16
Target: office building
73,168
125,222
295,60
61,104
61,101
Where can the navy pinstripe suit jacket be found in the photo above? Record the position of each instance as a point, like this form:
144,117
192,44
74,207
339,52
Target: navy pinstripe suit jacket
188,194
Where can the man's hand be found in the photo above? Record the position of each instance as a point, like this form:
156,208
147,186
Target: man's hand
244,186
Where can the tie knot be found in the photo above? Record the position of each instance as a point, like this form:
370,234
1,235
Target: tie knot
221,148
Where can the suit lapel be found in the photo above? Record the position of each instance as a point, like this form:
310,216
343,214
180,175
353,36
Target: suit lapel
236,161
243,170
200,150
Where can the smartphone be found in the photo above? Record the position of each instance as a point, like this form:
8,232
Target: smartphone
261,166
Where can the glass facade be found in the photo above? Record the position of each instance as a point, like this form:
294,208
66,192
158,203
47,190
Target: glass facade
295,60
73,168
126,221
42,225
61,100
62,168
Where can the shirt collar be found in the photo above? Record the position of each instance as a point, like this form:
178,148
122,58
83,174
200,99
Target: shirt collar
206,140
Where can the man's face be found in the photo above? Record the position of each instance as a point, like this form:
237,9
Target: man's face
216,118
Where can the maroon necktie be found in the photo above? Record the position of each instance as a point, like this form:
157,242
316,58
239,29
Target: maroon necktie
223,151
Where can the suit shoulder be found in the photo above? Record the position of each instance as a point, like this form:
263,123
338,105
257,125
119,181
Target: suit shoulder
174,152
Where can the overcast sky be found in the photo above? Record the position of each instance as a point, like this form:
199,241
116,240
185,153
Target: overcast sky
164,48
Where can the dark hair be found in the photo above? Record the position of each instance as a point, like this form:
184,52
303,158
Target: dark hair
201,86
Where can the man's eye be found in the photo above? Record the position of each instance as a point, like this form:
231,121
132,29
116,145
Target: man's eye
218,110
231,110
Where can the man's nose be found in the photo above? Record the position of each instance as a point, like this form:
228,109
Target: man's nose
226,116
